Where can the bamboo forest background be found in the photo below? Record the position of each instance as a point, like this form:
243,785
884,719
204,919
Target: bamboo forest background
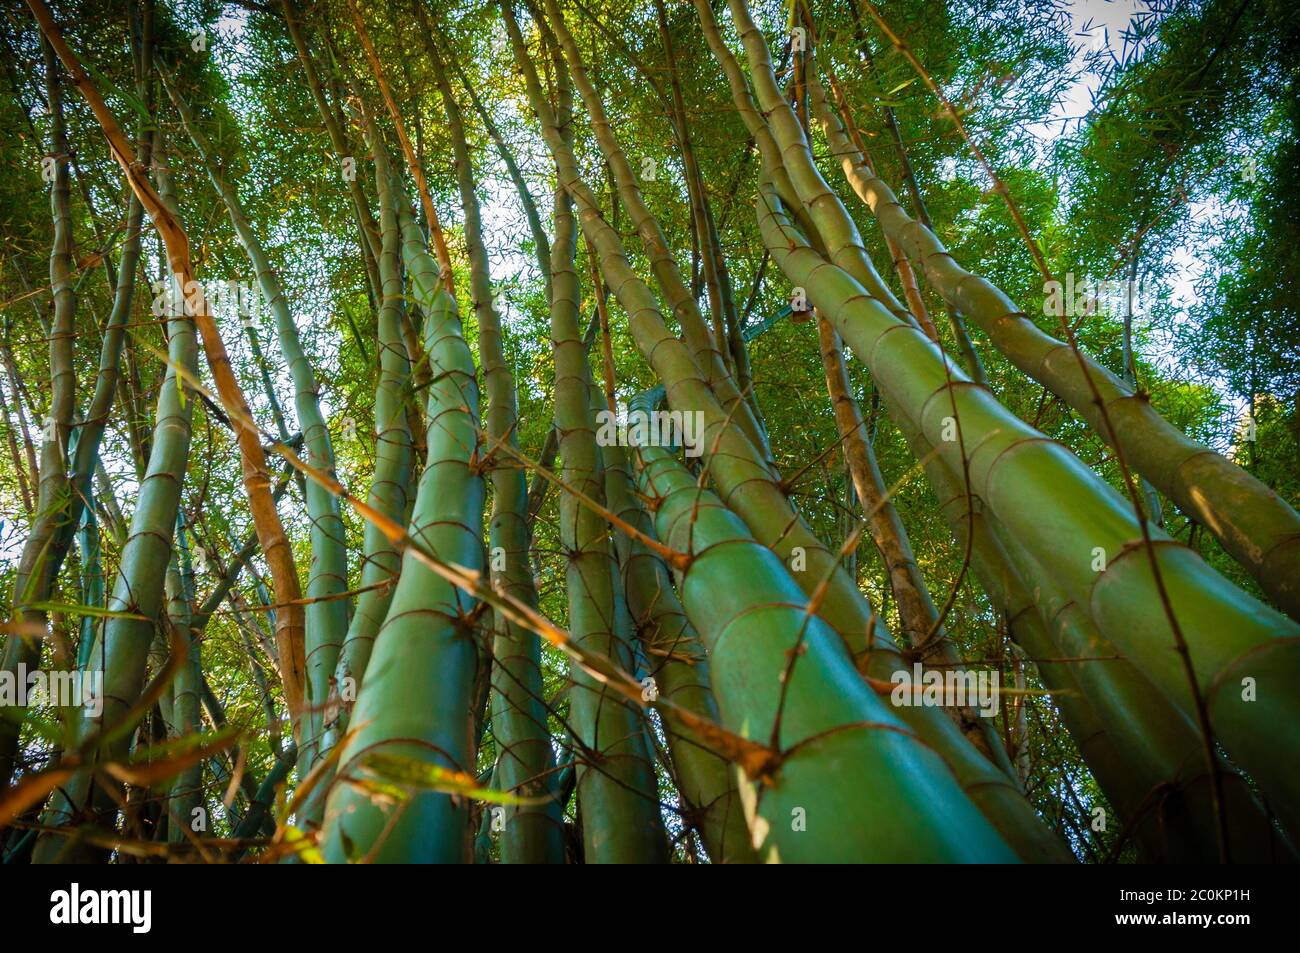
333,514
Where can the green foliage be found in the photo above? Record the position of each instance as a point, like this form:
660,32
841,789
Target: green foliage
1151,178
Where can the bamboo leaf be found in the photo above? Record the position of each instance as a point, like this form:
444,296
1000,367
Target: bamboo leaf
398,771
303,845
144,772
74,609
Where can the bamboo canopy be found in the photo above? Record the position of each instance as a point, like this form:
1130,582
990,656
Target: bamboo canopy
568,431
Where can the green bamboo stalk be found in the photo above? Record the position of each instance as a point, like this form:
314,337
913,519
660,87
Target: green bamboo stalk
722,296
749,112
779,135
679,666
902,267
185,804
367,228
746,485
917,613
270,529
843,243
705,348
259,820
1254,525
326,617
551,444
1176,820
138,589
744,478
1145,753
38,564
617,793
852,783
92,580
415,701
541,243
1240,650
694,190
84,449
390,486
20,469
533,833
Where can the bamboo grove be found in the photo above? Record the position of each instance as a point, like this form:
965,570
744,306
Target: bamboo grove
544,431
